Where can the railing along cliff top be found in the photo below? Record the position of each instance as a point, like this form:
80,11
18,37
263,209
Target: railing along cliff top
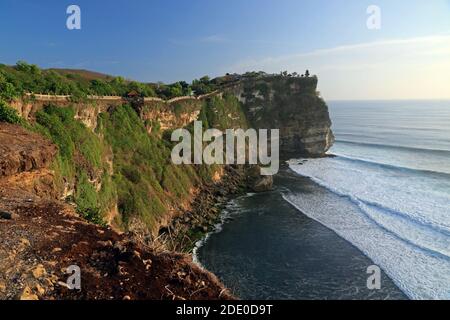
49,97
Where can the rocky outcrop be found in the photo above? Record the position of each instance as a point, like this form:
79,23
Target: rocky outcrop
202,215
21,150
157,114
292,105
256,182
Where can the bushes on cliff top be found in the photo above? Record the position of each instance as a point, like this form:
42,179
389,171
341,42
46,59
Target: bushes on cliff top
7,89
28,78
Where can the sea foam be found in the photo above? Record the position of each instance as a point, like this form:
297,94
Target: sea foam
400,219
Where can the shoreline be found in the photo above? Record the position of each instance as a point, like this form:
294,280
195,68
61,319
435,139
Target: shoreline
189,227
223,217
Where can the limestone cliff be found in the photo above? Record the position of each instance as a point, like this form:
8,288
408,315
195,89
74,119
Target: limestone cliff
291,104
114,163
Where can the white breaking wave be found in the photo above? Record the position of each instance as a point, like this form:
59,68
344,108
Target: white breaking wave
401,220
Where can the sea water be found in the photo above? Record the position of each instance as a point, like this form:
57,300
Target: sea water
392,170
384,199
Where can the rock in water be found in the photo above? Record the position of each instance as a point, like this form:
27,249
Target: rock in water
257,182
265,183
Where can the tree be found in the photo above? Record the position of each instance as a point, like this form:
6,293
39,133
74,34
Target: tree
202,86
176,90
101,88
7,89
205,80
28,68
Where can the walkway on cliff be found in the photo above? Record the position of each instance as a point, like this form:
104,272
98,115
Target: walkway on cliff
64,98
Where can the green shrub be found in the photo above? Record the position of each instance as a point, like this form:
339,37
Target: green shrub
132,174
86,198
81,154
8,114
27,78
223,113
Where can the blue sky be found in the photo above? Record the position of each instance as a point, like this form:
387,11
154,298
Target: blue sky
152,40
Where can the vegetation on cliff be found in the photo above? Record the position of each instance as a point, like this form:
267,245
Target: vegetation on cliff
119,167
120,163
223,113
146,182
79,162
23,78
42,237
7,114
113,165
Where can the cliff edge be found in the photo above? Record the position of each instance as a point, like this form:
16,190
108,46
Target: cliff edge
42,236
292,105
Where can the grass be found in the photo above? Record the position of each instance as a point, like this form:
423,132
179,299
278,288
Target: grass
79,160
147,183
143,182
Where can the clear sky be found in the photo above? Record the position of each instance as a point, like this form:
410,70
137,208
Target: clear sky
171,40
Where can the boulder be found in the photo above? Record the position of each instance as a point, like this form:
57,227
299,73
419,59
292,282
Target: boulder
258,183
265,183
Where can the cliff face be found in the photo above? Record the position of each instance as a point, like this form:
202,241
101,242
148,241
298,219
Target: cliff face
292,105
114,162
41,236
157,115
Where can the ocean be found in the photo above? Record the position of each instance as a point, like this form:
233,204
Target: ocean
384,194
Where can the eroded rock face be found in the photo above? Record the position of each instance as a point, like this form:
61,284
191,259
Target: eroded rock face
292,105
22,150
